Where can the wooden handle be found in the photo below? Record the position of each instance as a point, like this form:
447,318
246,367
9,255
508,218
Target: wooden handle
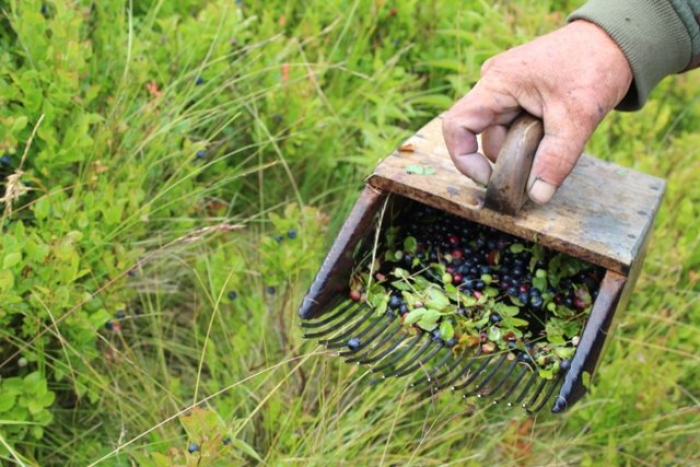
506,190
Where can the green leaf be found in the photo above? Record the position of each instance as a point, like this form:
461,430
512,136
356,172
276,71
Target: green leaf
11,259
410,244
437,299
517,248
419,170
447,332
7,280
415,315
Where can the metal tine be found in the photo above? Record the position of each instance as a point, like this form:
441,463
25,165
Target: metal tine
473,376
529,383
494,390
387,337
328,330
455,365
330,319
343,343
513,386
488,376
364,343
427,376
472,360
416,355
347,332
385,352
399,354
534,397
553,385
406,371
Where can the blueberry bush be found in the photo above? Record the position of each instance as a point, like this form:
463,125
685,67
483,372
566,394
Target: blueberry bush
172,173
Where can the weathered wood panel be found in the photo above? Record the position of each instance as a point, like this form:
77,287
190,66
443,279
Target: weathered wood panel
601,214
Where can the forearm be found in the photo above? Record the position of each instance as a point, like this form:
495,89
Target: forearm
658,38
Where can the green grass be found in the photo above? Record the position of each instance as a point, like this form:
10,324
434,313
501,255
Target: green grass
292,116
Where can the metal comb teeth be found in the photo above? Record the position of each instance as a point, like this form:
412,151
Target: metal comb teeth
356,332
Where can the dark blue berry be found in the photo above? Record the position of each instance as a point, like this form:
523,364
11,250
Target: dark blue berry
278,238
354,344
132,273
199,81
479,285
109,325
6,160
564,365
517,271
192,448
271,290
569,302
232,295
495,318
403,309
292,234
226,441
120,314
512,291
523,297
394,302
536,301
436,335
451,342
484,270
201,154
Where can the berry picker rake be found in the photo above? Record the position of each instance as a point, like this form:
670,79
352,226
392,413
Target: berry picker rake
602,215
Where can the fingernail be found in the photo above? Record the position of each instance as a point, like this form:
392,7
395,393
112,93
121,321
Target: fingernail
480,174
541,192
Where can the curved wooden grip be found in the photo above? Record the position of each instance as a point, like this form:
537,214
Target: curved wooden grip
506,190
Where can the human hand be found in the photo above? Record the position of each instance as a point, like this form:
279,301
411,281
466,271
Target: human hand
570,78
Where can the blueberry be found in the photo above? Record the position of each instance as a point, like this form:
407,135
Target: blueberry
201,154
436,335
479,285
523,297
484,270
569,302
192,448
451,342
120,314
132,273
278,238
199,80
512,291
403,309
226,441
6,160
109,325
536,301
517,271
495,318
292,234
461,311
394,302
232,295
354,344
271,290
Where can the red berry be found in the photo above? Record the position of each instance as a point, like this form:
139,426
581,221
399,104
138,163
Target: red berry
524,288
453,239
457,254
477,294
457,278
450,269
579,304
355,295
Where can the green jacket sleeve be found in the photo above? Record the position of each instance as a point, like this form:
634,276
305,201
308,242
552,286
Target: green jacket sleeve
658,37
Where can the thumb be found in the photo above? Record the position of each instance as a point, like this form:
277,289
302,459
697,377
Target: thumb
556,155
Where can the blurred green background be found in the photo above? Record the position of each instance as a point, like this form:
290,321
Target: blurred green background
155,149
